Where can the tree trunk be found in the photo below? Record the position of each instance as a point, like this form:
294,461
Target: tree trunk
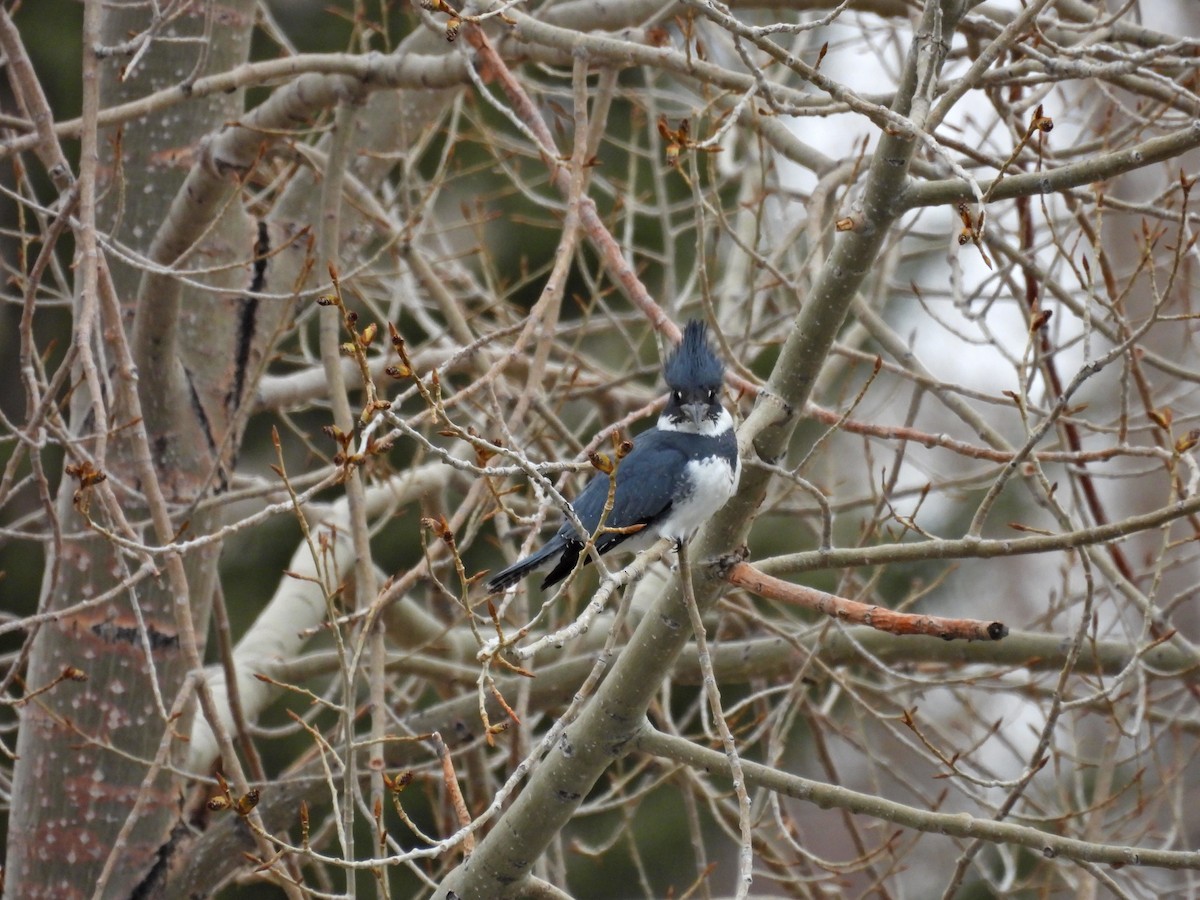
85,746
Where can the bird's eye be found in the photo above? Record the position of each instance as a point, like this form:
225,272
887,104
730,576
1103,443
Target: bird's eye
712,394
677,396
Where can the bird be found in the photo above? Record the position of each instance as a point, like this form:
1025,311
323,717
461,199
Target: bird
677,476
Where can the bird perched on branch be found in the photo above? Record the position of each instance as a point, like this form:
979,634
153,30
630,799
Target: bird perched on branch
677,476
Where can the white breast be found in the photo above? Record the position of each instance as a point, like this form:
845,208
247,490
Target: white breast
713,482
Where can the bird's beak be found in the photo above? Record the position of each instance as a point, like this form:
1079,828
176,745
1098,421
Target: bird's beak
696,412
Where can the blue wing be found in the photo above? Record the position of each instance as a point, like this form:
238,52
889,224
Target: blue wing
647,479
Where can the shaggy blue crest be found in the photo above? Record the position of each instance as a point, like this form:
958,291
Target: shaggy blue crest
693,363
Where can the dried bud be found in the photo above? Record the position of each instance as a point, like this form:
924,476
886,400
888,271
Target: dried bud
1162,417
87,474
1040,122
399,783
248,801
601,462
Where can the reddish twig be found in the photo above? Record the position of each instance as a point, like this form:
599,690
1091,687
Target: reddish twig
450,780
746,576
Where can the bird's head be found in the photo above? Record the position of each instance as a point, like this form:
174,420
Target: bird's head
694,373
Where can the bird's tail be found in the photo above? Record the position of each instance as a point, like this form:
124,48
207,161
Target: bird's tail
522,567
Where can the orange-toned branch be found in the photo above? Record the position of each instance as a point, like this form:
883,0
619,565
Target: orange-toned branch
746,576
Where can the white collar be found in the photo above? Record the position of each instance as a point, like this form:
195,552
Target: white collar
707,428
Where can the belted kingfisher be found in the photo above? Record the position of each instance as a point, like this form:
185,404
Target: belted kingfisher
677,476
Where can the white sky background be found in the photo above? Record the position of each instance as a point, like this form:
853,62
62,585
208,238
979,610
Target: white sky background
974,123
